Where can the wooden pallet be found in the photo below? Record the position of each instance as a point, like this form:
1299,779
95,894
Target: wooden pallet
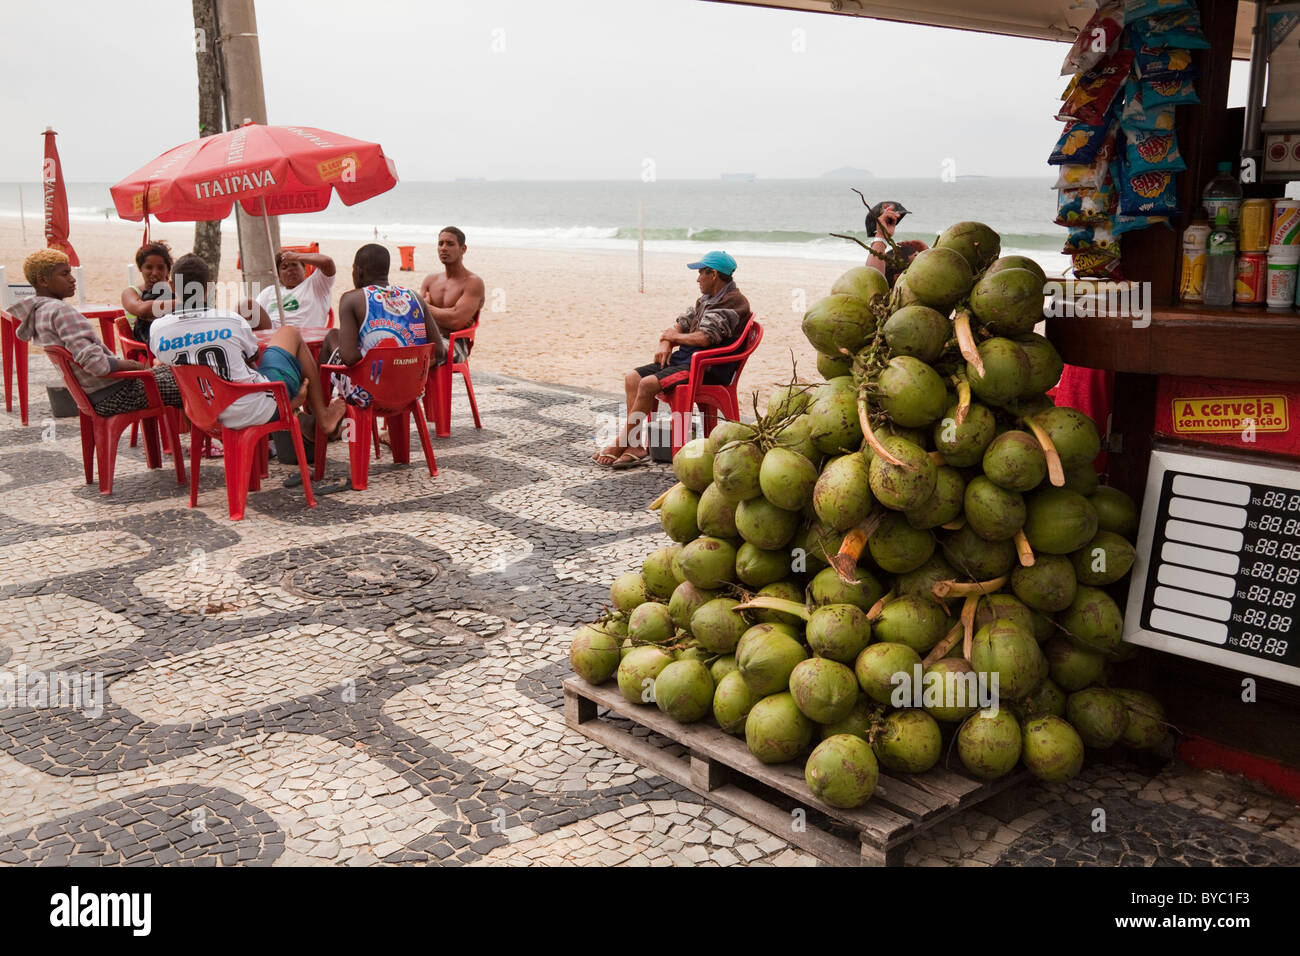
720,767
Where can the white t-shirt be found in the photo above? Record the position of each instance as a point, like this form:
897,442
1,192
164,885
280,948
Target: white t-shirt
305,305
222,340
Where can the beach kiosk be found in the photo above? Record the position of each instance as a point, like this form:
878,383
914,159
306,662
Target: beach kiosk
1205,417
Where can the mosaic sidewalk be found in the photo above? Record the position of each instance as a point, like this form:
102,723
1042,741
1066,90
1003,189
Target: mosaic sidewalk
377,680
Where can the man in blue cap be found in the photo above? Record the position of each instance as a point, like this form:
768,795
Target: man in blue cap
717,318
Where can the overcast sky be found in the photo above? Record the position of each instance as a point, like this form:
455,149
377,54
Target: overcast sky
524,89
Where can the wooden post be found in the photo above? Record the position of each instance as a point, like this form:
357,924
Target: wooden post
207,235
241,62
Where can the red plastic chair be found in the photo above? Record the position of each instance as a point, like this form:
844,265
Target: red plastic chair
100,434
437,395
395,378
14,352
206,395
712,399
131,348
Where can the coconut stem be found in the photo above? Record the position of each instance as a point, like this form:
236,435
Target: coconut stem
845,562
940,650
968,611
963,399
963,589
938,459
1025,552
864,419
1055,471
776,604
966,342
878,608
659,502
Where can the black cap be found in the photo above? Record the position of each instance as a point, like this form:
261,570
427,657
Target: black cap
873,214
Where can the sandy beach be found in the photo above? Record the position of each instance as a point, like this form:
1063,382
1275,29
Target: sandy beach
572,318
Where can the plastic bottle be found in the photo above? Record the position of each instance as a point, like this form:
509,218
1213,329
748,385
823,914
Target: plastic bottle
1196,239
1221,262
1223,192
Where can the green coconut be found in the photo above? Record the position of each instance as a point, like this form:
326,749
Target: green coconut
939,278
686,600
693,464
1009,302
628,591
684,691
765,658
841,495
732,702
717,625
917,331
833,416
735,471
911,393
859,722
786,590
722,666
827,587
796,436
1146,727
839,321
1059,521
877,666
715,515
963,445
974,557
833,366
786,479
916,620
651,623
1070,667
1084,480
825,690
1047,585
786,401
637,672
1005,650
776,731
992,512
923,579
989,743
594,654
906,486
657,573
1116,511
709,563
765,525
1073,433
1018,262
897,547
1015,461
757,568
1046,699
908,741
945,502
677,514
1003,606
978,244
726,432
1093,621
861,282
1006,371
1099,715
842,771
1103,560
950,690
1051,749
838,632
1045,363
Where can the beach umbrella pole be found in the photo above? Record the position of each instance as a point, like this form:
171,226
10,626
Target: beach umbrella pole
275,280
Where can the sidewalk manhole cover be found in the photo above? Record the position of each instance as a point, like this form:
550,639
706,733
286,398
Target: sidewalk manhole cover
361,576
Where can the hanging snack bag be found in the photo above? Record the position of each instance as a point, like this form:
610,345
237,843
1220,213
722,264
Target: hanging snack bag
1150,149
1150,193
1136,115
1123,224
1167,64
1091,236
1079,144
1096,90
1138,9
1098,262
1076,207
1095,41
1181,30
1171,92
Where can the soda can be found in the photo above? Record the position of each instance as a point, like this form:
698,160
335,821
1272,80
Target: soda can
1252,270
1286,223
1255,226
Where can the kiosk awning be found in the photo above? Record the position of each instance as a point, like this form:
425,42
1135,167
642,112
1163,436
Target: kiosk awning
1042,19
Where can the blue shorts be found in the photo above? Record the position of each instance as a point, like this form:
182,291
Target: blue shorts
280,365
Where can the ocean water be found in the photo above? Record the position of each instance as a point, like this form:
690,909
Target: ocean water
787,218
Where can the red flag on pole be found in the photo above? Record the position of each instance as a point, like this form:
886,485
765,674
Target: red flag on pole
56,200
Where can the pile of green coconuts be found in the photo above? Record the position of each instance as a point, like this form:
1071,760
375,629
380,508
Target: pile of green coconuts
925,512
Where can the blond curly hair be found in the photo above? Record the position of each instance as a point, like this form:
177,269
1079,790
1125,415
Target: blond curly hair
42,262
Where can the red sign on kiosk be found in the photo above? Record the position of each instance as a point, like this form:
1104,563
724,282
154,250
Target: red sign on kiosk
1259,417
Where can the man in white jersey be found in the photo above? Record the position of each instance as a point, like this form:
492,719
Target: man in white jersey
196,332
306,298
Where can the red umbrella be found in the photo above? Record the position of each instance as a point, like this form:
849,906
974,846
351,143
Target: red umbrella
56,200
269,170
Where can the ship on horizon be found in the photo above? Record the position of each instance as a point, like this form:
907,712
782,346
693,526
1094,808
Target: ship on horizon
740,177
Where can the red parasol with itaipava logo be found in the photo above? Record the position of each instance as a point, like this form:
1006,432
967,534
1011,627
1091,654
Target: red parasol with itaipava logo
55,200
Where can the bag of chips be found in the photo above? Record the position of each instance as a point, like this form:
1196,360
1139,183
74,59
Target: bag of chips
1079,144
1136,116
1150,193
1095,41
1098,262
1163,64
1090,236
1152,149
1172,92
1181,30
1123,224
1137,9
1096,90
1077,177
1076,207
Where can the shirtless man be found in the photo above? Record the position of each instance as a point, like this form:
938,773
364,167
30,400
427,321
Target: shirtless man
455,297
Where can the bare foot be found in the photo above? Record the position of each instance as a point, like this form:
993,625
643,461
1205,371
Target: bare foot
334,413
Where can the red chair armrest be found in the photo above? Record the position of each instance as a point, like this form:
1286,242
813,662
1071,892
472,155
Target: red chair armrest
339,369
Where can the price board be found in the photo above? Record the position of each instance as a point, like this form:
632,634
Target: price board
1217,575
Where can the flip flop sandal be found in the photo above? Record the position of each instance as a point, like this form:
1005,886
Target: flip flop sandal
626,461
